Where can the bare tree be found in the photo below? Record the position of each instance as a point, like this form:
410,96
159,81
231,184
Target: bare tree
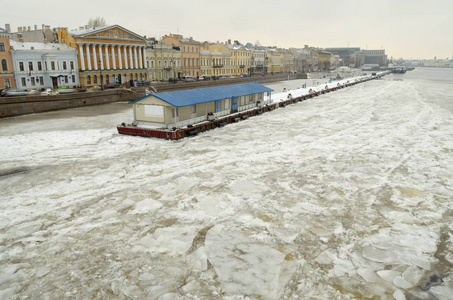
97,22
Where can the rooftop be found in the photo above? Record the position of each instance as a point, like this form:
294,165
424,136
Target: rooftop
198,96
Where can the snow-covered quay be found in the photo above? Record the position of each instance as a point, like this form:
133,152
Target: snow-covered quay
344,196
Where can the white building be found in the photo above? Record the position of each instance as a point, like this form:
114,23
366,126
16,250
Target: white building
40,66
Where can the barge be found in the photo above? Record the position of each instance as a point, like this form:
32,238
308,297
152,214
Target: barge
210,122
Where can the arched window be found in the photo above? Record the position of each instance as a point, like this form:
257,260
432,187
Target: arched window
4,65
107,79
88,79
95,79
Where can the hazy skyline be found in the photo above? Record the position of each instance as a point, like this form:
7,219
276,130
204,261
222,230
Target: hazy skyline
409,29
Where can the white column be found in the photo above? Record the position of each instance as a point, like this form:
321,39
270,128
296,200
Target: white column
112,47
101,57
126,64
107,52
140,56
119,57
89,56
82,59
130,58
95,58
136,57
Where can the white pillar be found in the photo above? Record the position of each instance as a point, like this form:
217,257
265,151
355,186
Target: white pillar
130,58
126,63
107,52
101,58
112,47
89,56
135,57
95,58
140,55
82,59
119,57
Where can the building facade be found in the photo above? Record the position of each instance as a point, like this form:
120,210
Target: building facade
258,64
190,55
7,79
110,54
163,62
375,57
215,63
40,66
275,61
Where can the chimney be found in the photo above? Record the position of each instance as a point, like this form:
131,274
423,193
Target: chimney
47,27
36,27
8,27
81,27
87,26
19,29
191,38
229,42
29,28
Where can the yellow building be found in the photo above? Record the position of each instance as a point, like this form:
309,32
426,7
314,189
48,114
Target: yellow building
190,55
275,61
215,63
107,54
324,60
163,62
241,58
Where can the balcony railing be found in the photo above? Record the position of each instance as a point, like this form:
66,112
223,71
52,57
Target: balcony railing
217,66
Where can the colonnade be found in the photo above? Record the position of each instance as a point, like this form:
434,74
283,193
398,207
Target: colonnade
127,56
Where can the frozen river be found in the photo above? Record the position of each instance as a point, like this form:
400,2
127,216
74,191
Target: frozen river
344,196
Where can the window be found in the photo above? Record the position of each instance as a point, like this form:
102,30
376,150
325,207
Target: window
194,109
73,78
66,79
95,79
218,106
7,83
24,83
64,65
227,104
30,66
39,66
4,65
2,46
52,65
33,81
41,80
21,66
72,65
175,112
88,79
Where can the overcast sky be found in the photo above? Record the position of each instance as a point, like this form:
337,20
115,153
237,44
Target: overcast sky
404,28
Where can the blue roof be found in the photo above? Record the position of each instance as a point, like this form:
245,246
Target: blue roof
198,96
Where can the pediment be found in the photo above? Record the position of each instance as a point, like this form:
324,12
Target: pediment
114,32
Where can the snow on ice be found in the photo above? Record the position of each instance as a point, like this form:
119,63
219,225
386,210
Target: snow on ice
346,195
